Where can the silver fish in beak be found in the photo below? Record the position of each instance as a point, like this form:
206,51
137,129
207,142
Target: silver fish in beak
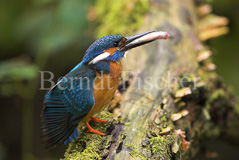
143,38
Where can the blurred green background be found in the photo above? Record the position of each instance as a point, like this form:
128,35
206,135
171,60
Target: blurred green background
53,35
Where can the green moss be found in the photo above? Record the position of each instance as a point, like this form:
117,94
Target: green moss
90,146
163,118
159,145
120,17
135,153
164,121
127,124
217,94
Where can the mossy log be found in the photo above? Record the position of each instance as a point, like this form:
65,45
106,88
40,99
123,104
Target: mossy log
172,88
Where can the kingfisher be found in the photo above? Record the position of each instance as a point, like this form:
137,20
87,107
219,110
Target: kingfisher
88,88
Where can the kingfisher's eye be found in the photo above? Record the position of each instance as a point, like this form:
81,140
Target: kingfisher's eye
116,44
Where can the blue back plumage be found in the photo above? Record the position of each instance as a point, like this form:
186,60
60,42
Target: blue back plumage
66,104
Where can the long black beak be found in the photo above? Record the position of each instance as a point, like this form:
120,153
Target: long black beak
143,38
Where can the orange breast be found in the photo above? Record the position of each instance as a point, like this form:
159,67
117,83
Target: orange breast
104,88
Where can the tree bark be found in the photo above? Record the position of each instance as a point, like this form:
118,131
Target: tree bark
171,89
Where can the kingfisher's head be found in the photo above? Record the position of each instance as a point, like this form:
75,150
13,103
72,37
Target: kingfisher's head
114,47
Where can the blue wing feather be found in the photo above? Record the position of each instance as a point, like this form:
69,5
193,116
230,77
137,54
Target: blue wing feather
65,108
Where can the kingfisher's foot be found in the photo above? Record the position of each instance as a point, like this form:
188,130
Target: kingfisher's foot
93,130
97,120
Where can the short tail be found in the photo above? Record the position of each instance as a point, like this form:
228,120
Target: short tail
58,124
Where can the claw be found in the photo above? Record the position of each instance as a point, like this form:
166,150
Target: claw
93,130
